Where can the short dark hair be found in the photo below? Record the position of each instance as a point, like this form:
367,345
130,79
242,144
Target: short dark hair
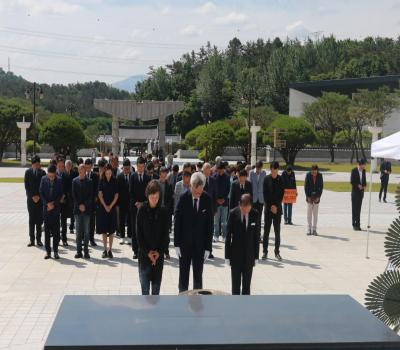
102,163
152,188
274,165
245,200
35,159
175,167
140,160
88,161
289,168
150,166
314,167
79,161
362,161
187,165
51,169
187,173
259,164
221,165
242,173
126,162
163,169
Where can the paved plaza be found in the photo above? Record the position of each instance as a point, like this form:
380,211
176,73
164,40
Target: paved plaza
32,288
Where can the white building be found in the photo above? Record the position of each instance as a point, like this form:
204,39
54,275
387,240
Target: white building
307,92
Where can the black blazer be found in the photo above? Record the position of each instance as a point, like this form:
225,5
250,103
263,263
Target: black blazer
82,193
168,198
242,248
152,230
123,190
355,181
237,192
273,193
95,182
313,190
211,188
32,182
193,231
137,189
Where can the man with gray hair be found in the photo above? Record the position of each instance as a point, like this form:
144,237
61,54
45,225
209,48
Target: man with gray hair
193,229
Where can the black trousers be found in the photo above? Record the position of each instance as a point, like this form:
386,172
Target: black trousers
92,224
241,277
133,223
356,203
384,186
52,229
259,207
270,219
124,218
150,276
197,262
35,211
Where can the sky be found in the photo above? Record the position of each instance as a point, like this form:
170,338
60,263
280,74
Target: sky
68,41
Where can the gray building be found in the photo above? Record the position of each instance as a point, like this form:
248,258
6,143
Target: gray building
307,92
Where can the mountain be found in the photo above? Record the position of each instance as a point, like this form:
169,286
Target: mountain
129,83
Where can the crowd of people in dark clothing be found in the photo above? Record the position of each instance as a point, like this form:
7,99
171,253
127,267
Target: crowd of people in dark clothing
146,203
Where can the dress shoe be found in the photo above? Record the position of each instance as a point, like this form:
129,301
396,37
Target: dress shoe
309,233
290,223
47,256
87,256
78,256
39,243
135,256
65,243
211,256
384,201
93,243
56,256
31,244
278,256
122,241
286,222
110,254
71,232
315,233
265,256
104,255
167,257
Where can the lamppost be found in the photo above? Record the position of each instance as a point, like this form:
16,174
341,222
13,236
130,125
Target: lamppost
36,89
249,99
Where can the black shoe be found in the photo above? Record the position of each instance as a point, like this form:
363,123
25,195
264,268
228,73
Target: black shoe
135,256
56,256
86,256
65,243
93,243
71,231
379,200
39,243
104,255
78,256
122,241
290,223
167,256
31,244
47,256
211,256
286,222
356,228
265,256
384,201
278,256
110,254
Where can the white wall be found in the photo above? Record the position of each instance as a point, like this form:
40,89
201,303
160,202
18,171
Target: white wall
297,99
392,123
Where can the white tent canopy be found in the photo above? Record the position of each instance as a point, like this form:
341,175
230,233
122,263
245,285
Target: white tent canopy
388,147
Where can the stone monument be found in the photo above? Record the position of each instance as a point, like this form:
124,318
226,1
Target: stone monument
23,126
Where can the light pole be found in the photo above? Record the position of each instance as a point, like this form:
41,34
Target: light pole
36,89
207,119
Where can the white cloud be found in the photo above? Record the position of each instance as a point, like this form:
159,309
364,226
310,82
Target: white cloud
232,18
44,6
206,8
191,30
165,10
297,30
294,25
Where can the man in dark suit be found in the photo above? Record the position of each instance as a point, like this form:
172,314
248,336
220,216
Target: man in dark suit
137,192
166,200
193,229
358,182
239,188
242,244
123,180
94,177
32,180
386,170
273,194
211,188
51,192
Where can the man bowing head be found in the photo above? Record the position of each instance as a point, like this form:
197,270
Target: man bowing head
193,229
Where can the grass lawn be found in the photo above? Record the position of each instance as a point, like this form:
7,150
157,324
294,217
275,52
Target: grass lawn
11,179
13,163
346,187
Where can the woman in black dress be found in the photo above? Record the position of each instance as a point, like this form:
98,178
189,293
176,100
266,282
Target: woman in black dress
153,238
106,218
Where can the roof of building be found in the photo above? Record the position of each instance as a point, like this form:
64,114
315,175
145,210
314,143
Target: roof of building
346,86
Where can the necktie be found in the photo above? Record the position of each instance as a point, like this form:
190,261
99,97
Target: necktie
126,179
140,178
244,224
195,205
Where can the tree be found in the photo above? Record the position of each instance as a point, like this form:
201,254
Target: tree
62,132
295,133
29,147
327,115
11,112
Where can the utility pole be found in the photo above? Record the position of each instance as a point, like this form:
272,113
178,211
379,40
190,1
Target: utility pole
8,64
275,140
28,92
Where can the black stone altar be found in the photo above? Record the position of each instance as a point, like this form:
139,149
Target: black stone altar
217,322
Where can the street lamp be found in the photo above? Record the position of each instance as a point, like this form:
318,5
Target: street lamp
249,99
35,90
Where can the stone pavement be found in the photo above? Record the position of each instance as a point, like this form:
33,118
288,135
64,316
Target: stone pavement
32,288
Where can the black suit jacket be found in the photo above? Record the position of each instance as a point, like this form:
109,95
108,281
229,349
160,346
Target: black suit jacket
242,248
355,181
193,230
168,198
123,190
273,190
95,183
211,188
32,183
237,192
137,189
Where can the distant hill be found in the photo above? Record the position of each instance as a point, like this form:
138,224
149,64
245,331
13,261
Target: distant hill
129,83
